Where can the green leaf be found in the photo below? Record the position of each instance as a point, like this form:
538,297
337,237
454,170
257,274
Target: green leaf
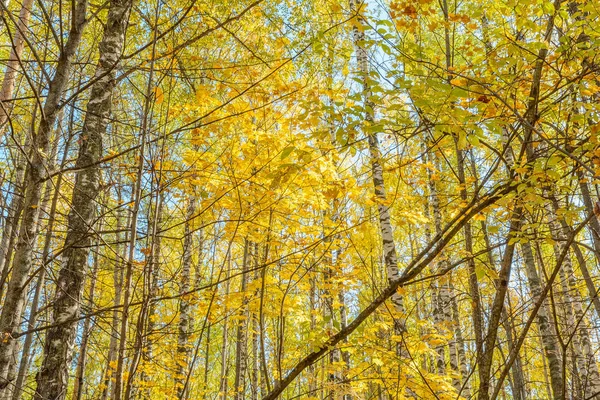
462,140
287,151
552,161
375,128
480,271
493,229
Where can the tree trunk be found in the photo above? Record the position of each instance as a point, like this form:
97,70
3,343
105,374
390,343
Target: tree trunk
582,344
529,119
476,313
255,370
595,234
151,275
24,364
545,325
463,369
184,327
11,224
517,369
118,272
241,345
78,385
333,377
143,313
442,296
13,65
223,377
585,272
13,305
52,378
446,304
385,225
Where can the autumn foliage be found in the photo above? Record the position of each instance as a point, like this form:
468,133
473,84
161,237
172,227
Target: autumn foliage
299,199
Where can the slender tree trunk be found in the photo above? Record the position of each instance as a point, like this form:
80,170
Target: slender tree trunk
530,119
18,199
13,65
118,383
78,385
589,207
343,324
519,389
25,357
198,274
585,272
143,313
385,225
11,224
333,377
53,375
255,367
9,235
241,345
207,360
223,377
476,313
123,330
430,359
151,276
13,305
463,369
443,293
446,304
456,343
265,381
584,355
498,305
118,272
184,327
545,325
518,380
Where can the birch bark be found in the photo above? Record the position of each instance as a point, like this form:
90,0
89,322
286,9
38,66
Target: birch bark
12,309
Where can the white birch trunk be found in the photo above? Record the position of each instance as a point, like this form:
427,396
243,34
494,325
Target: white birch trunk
10,317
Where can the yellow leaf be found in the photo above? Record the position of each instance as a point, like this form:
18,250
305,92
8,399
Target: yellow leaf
158,95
